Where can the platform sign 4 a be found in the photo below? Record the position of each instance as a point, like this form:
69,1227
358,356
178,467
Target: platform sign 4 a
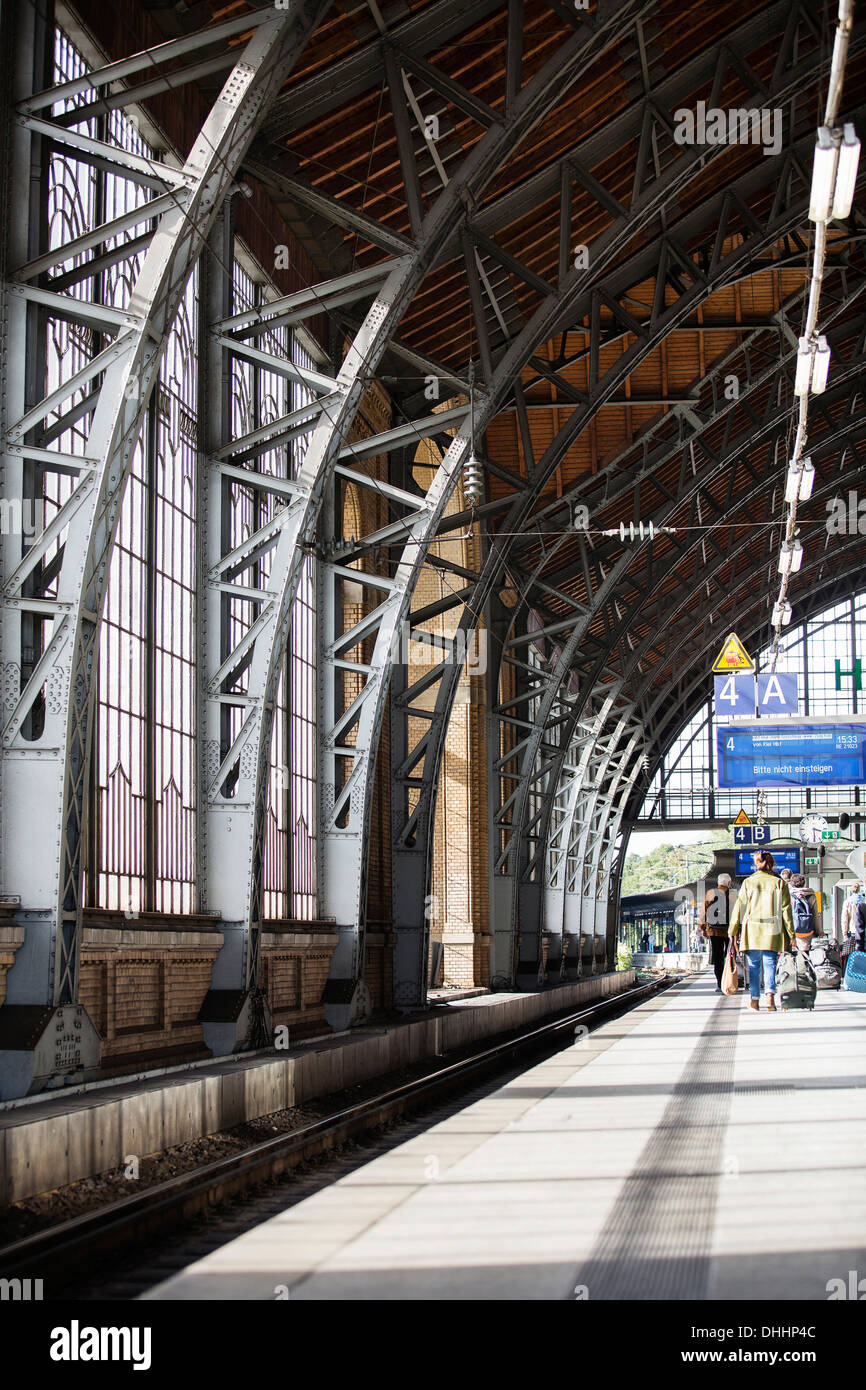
779,693
734,695
732,657
741,693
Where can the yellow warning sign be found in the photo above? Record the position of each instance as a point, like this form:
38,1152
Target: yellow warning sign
742,818
733,656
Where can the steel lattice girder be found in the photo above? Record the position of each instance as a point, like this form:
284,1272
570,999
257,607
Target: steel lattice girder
94,509
343,848
758,429
53,770
678,598
676,639
646,585
640,268
849,372
610,874
579,824
583,801
608,585
353,76
236,824
612,812
407,906
410,915
599,804
847,432
564,666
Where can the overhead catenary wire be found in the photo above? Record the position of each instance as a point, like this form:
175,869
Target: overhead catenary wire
782,608
797,460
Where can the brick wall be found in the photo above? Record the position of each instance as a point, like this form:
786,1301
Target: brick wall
143,983
11,937
460,911
379,967
296,959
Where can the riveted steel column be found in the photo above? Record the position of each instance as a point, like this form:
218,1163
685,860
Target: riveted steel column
91,515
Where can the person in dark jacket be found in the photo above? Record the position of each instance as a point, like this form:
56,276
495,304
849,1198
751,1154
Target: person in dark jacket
804,909
714,919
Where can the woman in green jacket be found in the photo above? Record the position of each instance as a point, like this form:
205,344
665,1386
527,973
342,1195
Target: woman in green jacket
762,914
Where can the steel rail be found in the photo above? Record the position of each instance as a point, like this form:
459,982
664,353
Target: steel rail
171,1203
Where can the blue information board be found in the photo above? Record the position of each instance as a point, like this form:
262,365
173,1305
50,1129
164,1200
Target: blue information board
782,859
761,754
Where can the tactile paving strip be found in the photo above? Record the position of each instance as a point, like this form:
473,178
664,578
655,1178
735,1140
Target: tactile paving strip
656,1241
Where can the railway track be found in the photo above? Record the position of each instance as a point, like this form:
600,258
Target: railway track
59,1253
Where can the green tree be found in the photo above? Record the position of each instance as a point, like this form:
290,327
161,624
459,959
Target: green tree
669,865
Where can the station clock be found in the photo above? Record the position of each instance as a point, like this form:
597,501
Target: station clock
811,826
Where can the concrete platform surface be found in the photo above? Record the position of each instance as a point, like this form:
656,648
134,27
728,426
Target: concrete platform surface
690,1150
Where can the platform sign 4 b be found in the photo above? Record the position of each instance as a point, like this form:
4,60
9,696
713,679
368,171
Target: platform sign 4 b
752,835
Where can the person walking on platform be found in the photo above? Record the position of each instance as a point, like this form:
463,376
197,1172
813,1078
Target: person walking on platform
714,920
762,917
851,919
858,925
804,910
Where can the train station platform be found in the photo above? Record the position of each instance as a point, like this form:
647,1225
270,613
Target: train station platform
59,1137
689,1150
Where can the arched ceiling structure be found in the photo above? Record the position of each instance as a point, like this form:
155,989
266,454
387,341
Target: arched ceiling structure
497,188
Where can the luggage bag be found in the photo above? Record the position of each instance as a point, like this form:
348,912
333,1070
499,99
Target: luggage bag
855,972
730,974
795,981
826,962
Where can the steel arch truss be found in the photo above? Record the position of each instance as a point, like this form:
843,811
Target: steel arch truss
674,626
261,570
249,583
673,265
49,773
353,721
763,238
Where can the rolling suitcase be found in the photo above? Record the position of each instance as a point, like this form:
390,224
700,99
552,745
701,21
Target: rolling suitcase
795,981
855,972
826,962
